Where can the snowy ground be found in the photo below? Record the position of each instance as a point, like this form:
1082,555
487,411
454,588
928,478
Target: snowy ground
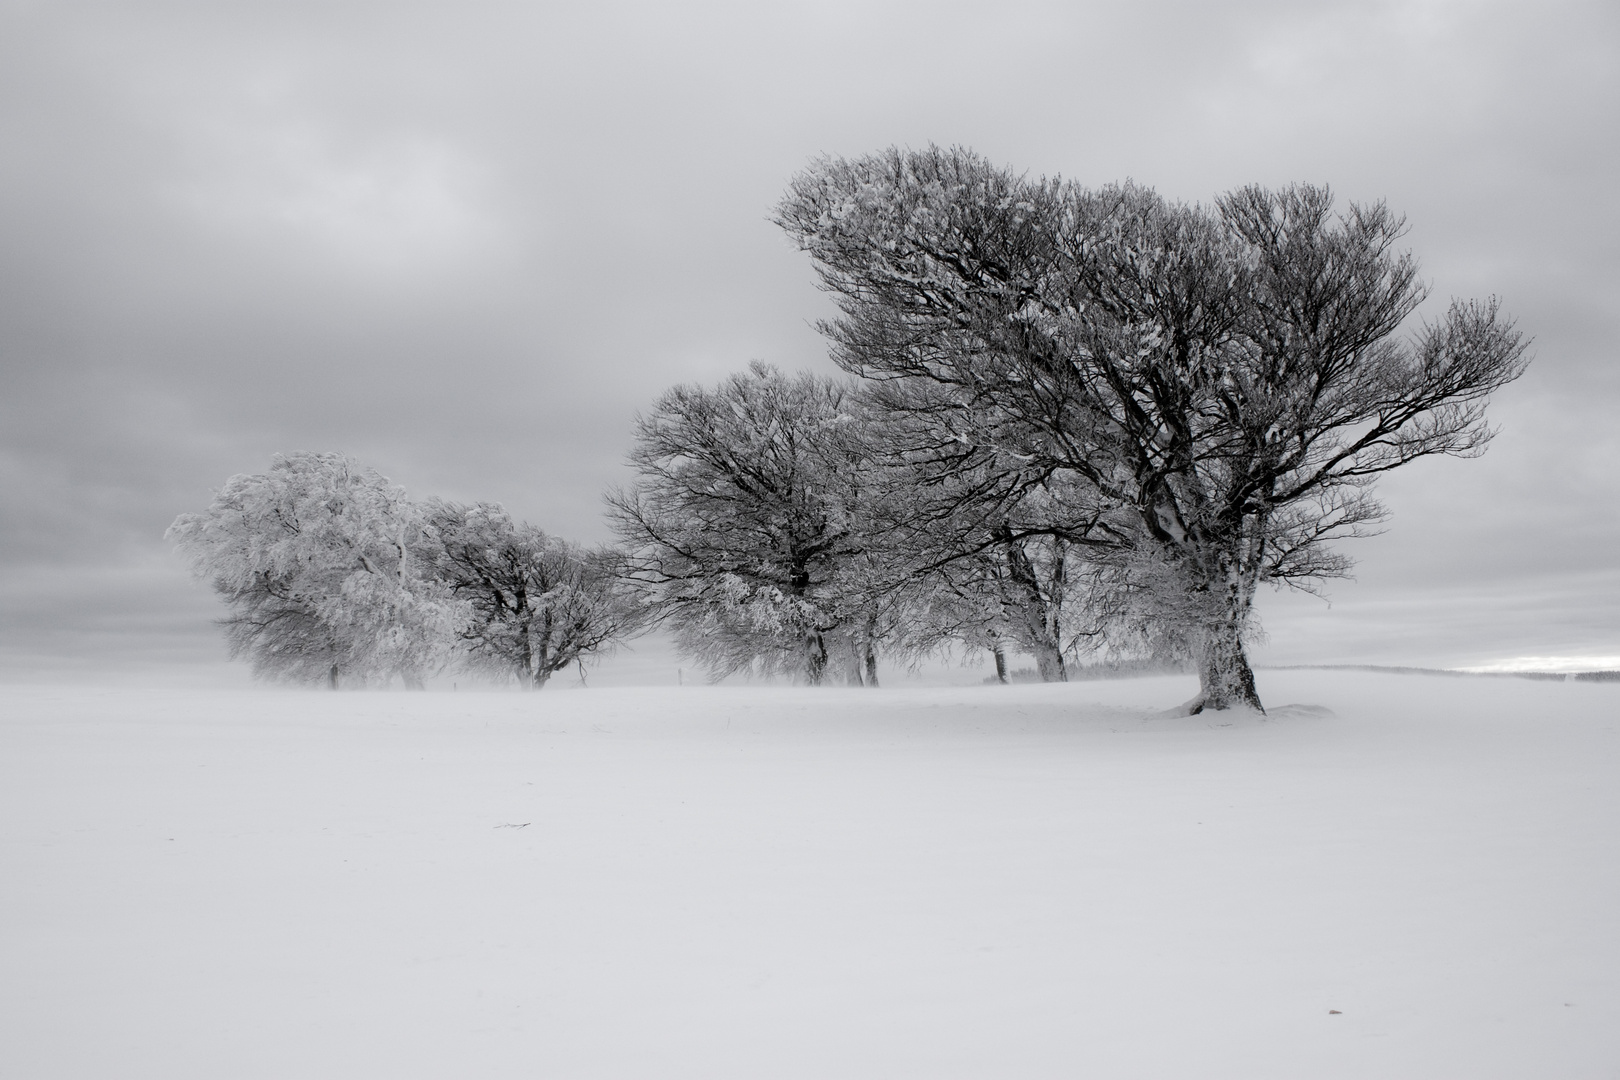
1018,882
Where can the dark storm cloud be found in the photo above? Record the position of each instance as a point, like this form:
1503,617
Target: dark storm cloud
466,242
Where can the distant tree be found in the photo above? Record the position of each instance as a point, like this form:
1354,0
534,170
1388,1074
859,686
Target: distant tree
987,559
745,525
1220,384
315,560
538,603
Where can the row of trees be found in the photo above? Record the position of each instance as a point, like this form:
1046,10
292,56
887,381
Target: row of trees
775,526
332,575
1078,420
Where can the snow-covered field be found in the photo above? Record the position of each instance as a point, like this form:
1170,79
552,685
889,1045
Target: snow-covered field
1018,882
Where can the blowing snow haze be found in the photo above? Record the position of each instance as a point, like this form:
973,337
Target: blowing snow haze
465,245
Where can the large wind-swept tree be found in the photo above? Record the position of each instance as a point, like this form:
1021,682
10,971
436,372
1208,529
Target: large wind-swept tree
1221,383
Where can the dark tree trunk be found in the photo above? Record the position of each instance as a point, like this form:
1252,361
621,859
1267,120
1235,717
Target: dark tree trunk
525,660
871,664
1001,663
1225,679
542,654
1040,614
332,678
815,666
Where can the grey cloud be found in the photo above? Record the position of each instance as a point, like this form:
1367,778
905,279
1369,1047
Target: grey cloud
466,243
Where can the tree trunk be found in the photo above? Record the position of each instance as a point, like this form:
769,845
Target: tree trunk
525,662
871,664
542,653
1049,661
1040,612
1220,585
332,678
1001,663
852,661
815,666
1225,679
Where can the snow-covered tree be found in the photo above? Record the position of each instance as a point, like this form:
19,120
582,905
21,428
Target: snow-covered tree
1219,384
316,562
745,525
993,592
985,557
538,603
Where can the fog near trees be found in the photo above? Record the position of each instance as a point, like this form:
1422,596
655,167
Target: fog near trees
1075,423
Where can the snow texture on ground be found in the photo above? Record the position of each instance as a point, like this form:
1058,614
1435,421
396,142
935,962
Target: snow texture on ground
1406,877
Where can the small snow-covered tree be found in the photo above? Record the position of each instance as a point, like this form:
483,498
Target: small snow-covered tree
1220,384
745,524
315,560
538,603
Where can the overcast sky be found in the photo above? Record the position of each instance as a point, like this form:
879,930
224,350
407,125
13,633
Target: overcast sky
466,242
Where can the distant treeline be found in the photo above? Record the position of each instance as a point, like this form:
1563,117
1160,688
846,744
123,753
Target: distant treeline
1548,676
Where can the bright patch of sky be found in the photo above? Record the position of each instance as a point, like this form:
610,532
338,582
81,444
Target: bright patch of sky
1554,664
